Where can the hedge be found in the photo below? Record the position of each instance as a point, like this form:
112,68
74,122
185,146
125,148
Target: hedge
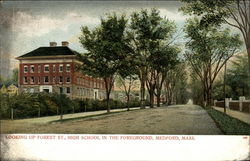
28,105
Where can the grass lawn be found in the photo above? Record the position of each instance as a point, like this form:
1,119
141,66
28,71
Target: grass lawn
228,124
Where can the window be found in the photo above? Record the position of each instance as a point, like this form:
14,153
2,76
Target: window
32,80
68,68
54,68
61,90
68,80
61,68
25,79
46,79
32,69
38,80
60,79
25,69
46,68
68,90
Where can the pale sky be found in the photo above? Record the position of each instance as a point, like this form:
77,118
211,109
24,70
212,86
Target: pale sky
35,24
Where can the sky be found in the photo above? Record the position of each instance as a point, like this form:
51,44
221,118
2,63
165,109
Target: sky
35,24
29,24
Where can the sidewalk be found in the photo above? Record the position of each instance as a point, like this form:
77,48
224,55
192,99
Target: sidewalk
236,114
47,119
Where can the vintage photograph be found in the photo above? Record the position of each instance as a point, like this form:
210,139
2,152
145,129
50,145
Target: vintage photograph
125,67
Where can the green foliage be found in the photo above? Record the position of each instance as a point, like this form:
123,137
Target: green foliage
212,42
150,34
107,48
12,80
152,42
214,13
211,12
181,86
237,76
236,79
208,49
105,45
218,91
196,91
229,125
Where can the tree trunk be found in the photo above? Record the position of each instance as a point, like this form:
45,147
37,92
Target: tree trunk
209,94
224,87
158,100
143,92
128,102
204,94
108,86
12,113
107,101
151,93
39,111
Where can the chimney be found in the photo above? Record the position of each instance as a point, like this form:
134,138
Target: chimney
65,43
52,44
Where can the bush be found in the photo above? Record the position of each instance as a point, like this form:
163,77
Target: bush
28,105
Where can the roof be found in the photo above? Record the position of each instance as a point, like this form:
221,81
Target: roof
50,51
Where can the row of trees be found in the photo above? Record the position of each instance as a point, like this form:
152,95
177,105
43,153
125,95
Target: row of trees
207,51
216,44
143,48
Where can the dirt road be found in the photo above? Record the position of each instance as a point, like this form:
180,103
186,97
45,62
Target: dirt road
178,119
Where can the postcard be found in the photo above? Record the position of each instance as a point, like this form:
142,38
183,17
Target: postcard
125,80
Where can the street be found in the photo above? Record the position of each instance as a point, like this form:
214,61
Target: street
177,119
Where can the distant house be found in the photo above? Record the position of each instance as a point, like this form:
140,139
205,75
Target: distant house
12,89
53,69
3,89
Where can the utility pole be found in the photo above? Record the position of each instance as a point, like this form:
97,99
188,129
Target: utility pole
224,87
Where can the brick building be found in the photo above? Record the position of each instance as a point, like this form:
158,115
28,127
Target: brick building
53,69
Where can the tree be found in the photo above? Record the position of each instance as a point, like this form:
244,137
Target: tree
15,75
126,76
235,13
127,84
181,90
196,89
149,32
208,49
106,46
164,62
176,84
